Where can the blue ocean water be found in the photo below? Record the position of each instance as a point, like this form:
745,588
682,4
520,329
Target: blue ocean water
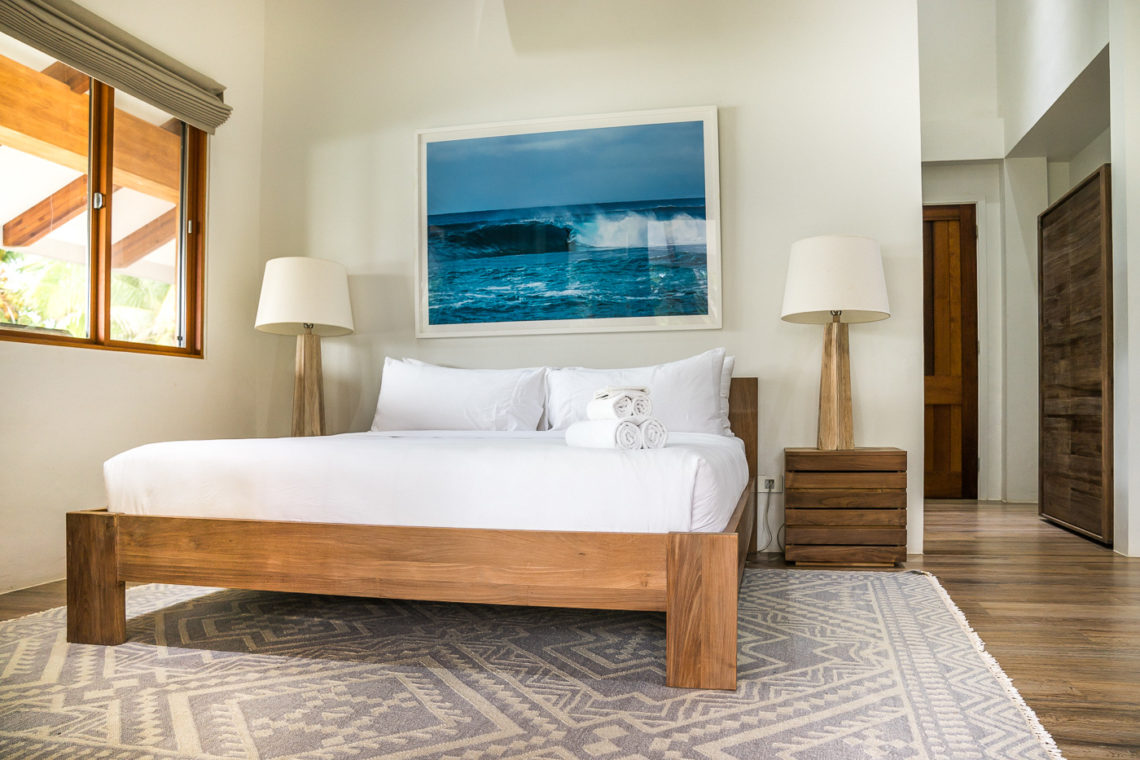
629,259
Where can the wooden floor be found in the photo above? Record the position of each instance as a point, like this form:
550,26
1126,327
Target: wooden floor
16,604
1060,614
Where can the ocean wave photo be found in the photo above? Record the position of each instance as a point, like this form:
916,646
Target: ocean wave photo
630,259
591,224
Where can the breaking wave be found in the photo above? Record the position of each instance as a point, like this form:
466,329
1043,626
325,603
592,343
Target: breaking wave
568,262
512,232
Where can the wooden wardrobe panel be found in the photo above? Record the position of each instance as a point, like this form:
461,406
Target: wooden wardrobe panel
1075,315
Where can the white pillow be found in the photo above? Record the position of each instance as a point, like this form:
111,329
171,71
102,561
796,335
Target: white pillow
419,396
685,394
725,387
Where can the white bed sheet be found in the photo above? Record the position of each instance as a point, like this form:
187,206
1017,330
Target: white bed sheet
523,481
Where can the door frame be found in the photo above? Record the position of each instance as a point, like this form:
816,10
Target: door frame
966,215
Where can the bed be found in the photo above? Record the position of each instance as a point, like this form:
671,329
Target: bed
691,576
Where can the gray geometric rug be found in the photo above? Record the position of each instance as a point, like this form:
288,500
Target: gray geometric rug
832,665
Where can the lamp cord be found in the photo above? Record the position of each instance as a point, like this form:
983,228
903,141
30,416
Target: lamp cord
767,535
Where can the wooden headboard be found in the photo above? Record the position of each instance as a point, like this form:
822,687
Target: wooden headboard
743,415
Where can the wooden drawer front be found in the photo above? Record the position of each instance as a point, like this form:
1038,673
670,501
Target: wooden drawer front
847,555
888,518
845,507
855,460
844,480
868,498
843,535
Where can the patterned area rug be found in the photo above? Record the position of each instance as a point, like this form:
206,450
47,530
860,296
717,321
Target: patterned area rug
832,665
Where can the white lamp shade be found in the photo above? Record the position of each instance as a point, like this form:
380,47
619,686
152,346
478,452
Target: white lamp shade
840,273
298,290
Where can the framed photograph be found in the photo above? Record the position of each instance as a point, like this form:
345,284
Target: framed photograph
585,224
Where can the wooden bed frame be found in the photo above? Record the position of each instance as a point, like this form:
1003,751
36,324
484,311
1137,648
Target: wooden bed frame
693,577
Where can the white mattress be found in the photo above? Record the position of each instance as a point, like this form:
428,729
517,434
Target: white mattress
524,481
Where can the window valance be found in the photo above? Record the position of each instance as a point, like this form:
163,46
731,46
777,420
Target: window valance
83,40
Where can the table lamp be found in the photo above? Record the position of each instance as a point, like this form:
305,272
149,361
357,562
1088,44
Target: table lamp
308,298
834,280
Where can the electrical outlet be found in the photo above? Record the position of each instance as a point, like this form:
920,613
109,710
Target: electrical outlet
770,483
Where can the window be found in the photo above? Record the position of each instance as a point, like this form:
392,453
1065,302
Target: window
101,208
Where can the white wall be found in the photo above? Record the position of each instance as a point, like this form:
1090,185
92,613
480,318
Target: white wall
1057,179
1024,196
1064,175
980,184
65,410
1043,46
807,147
957,47
1090,158
1124,71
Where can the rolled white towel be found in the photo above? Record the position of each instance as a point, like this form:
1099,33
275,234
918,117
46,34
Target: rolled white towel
605,434
617,402
642,406
653,433
610,408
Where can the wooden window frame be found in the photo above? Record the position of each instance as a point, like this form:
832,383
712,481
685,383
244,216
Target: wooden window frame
192,230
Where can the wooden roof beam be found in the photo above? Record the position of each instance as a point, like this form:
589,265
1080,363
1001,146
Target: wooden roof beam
73,78
53,211
150,237
44,117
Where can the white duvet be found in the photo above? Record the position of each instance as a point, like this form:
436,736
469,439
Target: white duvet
523,481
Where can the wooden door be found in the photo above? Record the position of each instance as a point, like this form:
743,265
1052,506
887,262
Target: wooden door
1074,249
950,347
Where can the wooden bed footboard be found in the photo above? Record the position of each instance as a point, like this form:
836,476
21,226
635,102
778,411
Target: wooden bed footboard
692,577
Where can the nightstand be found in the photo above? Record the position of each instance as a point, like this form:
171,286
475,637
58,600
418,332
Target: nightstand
845,507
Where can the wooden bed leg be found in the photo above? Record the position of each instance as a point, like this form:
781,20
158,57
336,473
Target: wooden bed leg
700,618
96,598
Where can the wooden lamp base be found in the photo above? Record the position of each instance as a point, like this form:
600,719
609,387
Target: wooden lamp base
835,427
308,387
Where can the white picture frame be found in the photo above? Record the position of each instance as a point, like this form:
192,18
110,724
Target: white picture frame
532,227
